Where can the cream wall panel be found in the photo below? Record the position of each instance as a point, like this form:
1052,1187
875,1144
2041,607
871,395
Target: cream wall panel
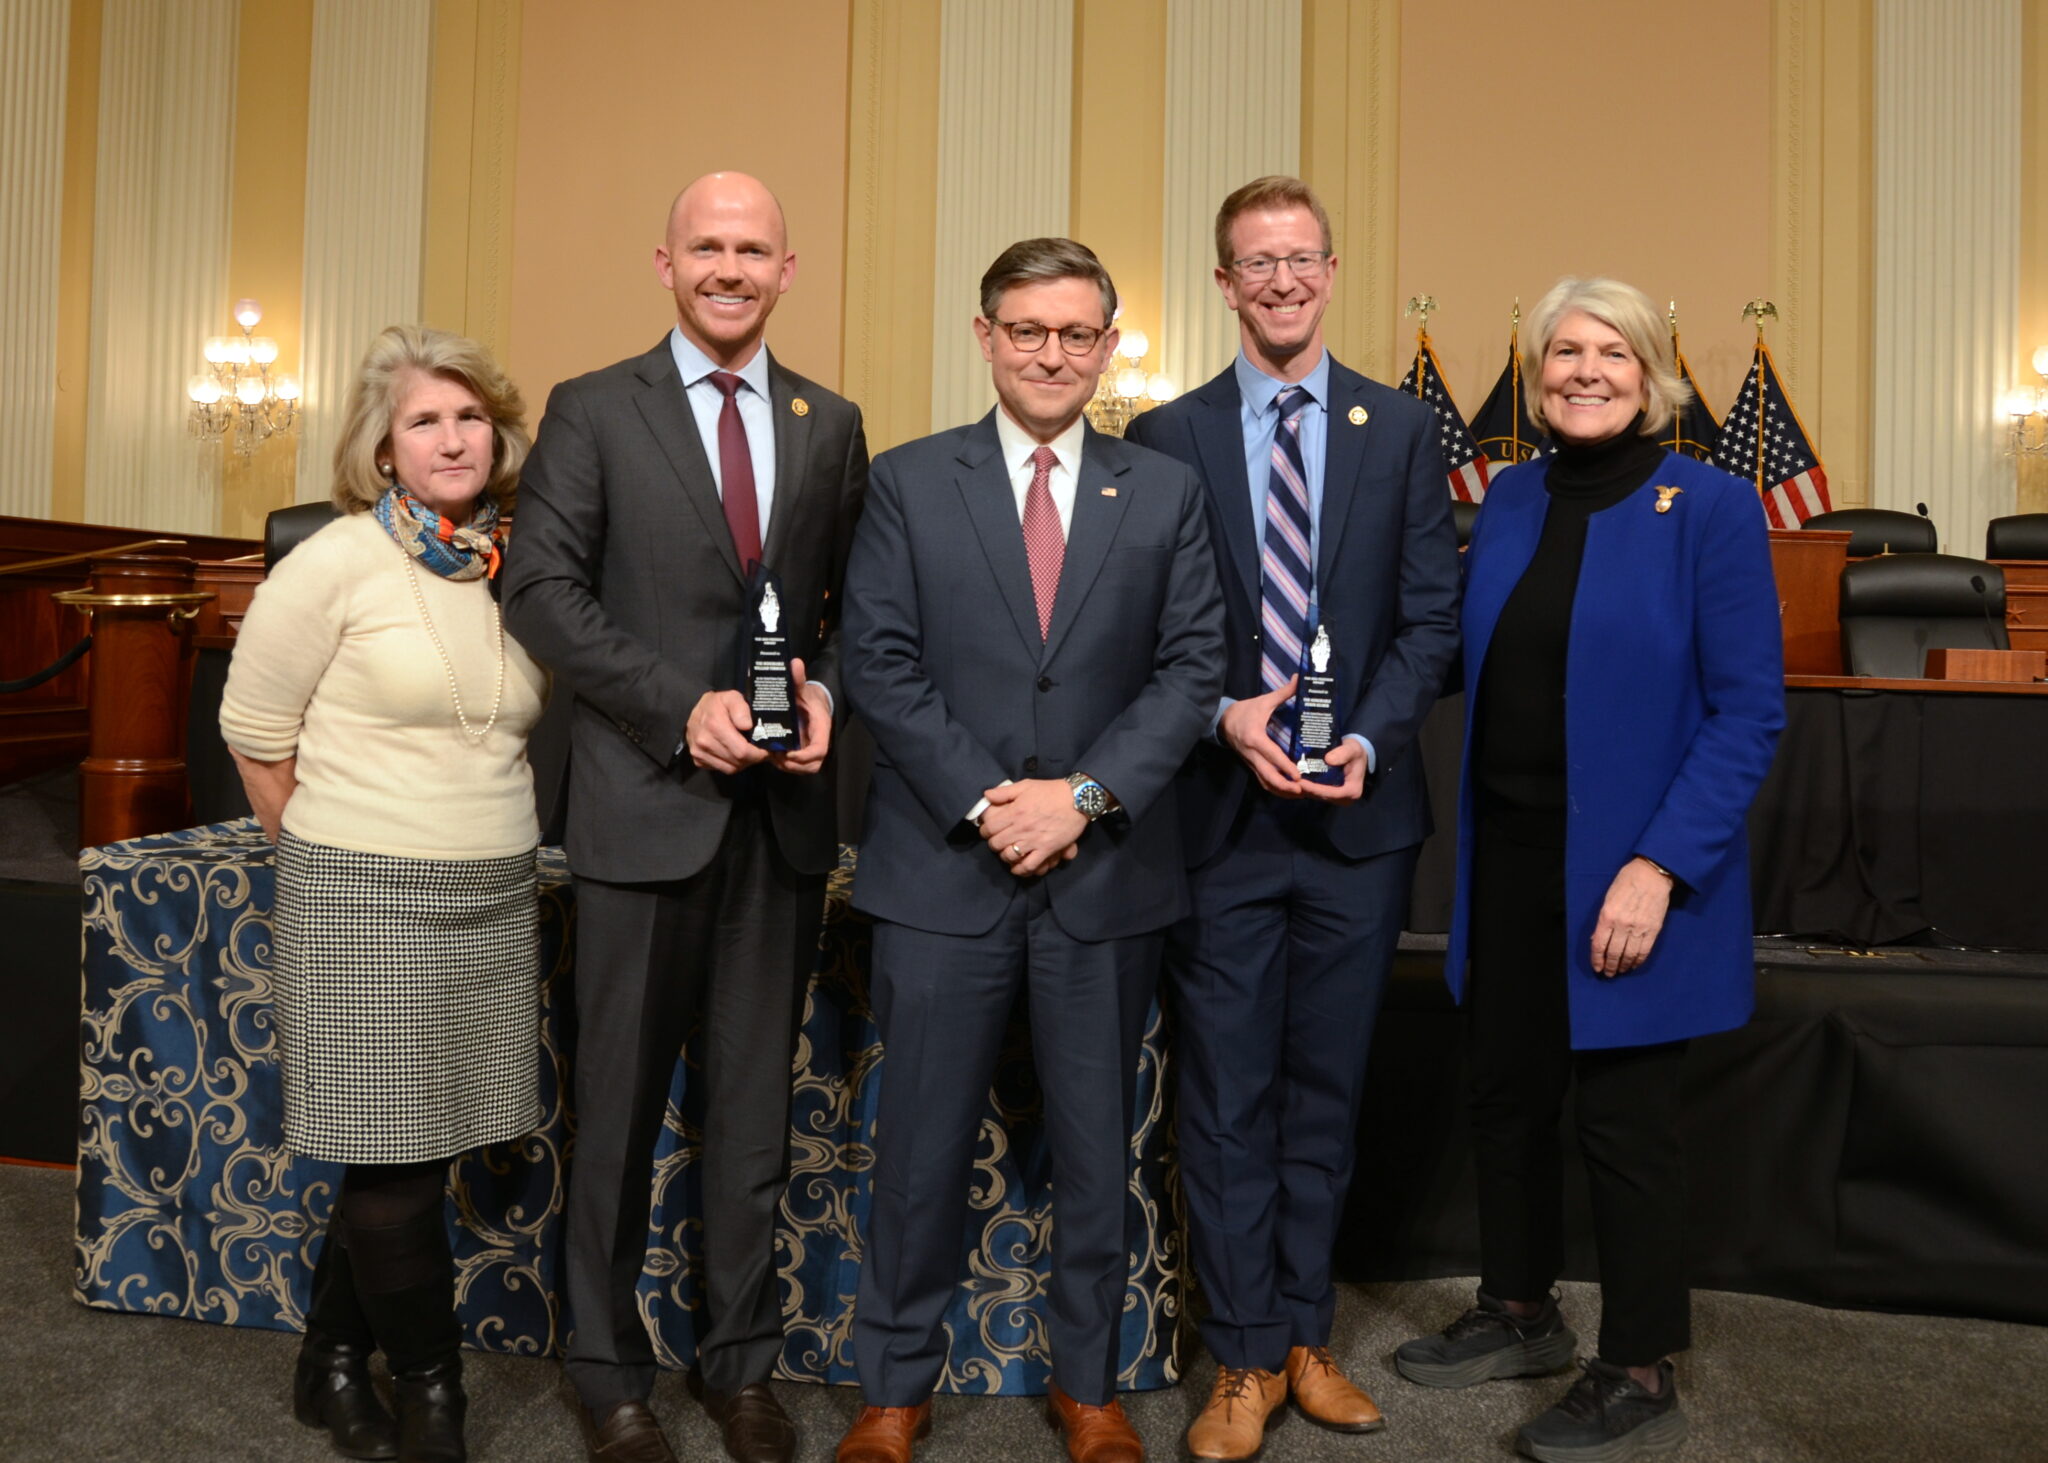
1006,77
32,63
366,151
1233,113
1945,326
160,252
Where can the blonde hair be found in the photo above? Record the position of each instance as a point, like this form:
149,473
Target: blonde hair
1270,194
397,352
1626,310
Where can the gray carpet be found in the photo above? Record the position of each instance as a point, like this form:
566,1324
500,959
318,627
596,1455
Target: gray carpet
1766,1381
39,828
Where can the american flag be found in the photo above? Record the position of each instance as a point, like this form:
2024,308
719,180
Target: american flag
1461,454
1763,441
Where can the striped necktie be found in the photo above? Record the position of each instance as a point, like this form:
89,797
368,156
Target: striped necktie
1285,562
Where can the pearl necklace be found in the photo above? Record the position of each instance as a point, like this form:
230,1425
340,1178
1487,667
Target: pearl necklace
448,666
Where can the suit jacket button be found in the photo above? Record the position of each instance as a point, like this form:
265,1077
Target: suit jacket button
1045,683
1030,764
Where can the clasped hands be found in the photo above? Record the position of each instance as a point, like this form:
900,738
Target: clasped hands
1033,826
1243,730
716,733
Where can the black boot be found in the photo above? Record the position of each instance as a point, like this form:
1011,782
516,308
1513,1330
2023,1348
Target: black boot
331,1387
405,1276
431,1405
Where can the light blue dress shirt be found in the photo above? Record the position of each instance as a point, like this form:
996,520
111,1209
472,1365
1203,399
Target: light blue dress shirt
757,415
1259,420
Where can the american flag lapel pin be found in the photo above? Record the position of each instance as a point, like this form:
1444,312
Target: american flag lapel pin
1109,492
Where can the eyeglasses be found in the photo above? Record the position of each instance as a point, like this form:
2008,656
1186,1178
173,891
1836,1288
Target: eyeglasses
1259,267
1029,336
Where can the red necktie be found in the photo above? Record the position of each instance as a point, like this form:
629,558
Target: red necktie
736,473
1044,544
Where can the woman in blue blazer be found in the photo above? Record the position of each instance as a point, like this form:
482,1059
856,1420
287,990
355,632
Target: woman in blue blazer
1624,690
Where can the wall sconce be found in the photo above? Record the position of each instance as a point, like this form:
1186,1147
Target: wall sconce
236,398
1126,388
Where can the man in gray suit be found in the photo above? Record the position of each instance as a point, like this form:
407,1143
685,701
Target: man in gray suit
1034,636
700,859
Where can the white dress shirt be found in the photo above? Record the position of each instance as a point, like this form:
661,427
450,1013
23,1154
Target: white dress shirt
1018,445
757,415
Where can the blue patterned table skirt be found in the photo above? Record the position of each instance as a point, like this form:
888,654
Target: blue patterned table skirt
189,1205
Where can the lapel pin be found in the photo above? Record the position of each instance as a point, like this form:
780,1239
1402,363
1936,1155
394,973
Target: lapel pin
1358,415
801,407
1109,492
1664,497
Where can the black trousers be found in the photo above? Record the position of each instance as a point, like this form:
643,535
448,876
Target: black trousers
942,1003
736,944
1521,1064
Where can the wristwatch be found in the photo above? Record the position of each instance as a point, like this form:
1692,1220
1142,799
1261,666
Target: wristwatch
1091,798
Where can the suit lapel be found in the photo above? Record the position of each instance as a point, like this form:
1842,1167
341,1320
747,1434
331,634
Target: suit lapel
992,508
1219,439
1099,502
666,410
1343,456
792,443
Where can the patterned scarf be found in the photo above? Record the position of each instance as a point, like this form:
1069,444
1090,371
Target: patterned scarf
468,552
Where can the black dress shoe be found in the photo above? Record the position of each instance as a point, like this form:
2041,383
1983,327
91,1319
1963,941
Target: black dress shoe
629,1434
331,1389
431,1404
756,1428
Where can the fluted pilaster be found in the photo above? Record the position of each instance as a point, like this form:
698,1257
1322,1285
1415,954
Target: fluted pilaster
1947,181
365,182
32,45
160,252
1233,113
1005,151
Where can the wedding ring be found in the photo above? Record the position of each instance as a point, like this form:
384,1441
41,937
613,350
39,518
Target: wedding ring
1017,849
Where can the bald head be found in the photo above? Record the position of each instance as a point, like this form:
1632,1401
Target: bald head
725,256
725,195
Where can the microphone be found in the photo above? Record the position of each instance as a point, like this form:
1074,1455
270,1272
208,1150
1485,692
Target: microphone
1984,603
1921,509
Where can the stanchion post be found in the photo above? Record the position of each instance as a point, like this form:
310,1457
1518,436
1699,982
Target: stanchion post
133,779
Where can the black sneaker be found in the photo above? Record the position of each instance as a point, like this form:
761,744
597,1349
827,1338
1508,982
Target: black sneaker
1489,1341
1607,1417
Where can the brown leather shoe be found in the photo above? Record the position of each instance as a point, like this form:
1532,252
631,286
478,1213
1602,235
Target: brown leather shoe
756,1428
1325,1396
1094,1434
885,1434
629,1434
1241,1406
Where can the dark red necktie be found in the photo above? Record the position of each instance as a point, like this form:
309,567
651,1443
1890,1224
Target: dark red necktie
1044,544
736,473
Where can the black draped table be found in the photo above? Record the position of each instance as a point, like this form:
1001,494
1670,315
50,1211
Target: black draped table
188,1204
1889,815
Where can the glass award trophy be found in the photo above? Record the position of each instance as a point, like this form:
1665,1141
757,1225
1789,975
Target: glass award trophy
1316,727
764,671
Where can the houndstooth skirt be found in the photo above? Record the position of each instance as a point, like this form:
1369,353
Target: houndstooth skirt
407,995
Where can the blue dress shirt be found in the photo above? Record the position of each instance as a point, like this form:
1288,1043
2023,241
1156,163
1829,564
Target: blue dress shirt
757,415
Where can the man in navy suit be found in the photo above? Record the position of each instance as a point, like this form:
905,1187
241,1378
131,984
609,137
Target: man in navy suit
1329,511
1034,635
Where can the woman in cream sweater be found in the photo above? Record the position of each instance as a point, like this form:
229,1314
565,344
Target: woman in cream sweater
378,713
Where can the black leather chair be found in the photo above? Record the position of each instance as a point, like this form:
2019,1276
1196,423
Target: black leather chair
286,528
1879,531
2020,536
1463,516
1897,608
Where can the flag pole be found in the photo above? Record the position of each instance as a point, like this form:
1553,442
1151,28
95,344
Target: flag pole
1760,308
1420,305
1515,366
